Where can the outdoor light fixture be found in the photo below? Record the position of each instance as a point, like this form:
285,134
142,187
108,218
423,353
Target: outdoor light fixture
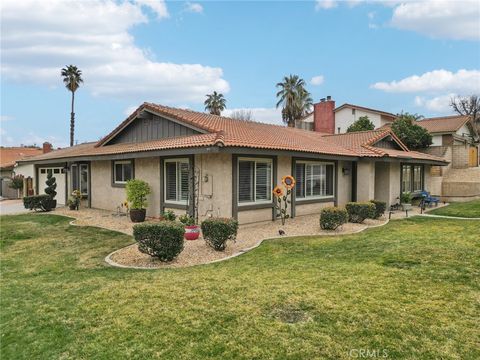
345,171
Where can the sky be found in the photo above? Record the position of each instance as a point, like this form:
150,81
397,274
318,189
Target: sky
393,56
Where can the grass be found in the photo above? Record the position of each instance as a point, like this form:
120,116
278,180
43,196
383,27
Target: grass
469,209
409,289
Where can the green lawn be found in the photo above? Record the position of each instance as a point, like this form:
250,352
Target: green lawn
410,288
469,209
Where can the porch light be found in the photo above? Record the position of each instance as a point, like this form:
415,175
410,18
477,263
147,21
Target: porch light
345,171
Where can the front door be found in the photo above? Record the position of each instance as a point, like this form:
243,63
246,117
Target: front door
80,180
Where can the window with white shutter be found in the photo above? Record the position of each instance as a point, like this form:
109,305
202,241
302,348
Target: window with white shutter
314,179
176,180
254,180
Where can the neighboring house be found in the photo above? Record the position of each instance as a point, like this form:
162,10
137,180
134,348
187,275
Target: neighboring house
237,164
326,118
8,158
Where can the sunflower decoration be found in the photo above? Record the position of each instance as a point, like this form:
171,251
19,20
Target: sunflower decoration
288,181
278,192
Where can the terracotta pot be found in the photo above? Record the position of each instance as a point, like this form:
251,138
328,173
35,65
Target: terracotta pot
192,232
138,215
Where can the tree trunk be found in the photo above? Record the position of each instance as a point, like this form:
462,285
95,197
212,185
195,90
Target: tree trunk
72,120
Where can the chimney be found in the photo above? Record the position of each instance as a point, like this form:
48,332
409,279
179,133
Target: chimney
323,116
47,147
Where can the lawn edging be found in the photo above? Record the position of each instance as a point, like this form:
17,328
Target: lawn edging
111,262
448,217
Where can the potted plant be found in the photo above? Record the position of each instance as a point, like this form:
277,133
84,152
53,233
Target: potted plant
406,200
192,231
137,191
50,189
74,201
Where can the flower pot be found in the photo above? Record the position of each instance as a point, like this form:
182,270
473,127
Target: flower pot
406,207
138,215
72,207
192,232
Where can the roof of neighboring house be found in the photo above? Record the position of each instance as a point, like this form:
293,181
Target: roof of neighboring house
363,143
216,131
443,124
10,155
380,112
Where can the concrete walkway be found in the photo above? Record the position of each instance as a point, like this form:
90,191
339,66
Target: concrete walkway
11,207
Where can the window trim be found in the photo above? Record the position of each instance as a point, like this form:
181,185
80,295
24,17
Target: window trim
121,183
412,184
241,205
80,178
164,165
316,197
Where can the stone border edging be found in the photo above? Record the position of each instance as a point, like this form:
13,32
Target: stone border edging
109,260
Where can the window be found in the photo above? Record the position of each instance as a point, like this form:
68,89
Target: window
84,179
43,171
74,170
254,180
176,180
412,178
122,171
314,180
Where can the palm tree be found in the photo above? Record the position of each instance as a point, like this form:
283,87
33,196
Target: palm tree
72,78
215,103
294,99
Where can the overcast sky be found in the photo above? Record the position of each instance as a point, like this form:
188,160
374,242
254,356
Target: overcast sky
391,55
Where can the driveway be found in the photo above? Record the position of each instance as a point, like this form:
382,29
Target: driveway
9,207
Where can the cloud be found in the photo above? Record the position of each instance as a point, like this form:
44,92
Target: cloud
44,36
325,4
464,81
264,115
438,104
193,7
440,19
317,80
6,118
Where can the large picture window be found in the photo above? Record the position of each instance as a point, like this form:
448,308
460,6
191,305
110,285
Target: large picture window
254,180
122,171
314,180
412,178
176,180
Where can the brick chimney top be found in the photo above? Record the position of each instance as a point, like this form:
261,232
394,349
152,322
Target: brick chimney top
324,116
47,147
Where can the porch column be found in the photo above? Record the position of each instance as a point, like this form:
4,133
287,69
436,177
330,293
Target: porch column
365,180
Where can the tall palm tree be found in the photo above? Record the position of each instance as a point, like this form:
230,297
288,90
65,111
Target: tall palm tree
294,99
215,103
72,78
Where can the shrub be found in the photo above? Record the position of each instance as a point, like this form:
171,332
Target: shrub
217,231
362,124
51,186
17,182
380,207
163,240
406,198
186,220
169,215
137,191
38,202
332,217
359,211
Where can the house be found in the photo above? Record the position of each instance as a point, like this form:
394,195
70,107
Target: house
8,158
231,166
326,118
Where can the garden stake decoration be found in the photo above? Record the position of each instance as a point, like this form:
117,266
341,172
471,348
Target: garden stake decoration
282,201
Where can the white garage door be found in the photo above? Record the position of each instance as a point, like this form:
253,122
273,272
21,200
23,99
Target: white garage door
59,175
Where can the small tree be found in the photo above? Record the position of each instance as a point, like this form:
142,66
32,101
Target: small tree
51,185
137,192
362,124
242,114
468,106
412,135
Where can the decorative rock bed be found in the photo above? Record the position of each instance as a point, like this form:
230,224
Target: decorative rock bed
198,252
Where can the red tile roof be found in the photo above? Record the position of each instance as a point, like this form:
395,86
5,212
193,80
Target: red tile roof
225,132
10,155
444,124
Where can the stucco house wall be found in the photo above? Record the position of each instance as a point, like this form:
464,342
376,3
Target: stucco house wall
344,118
103,195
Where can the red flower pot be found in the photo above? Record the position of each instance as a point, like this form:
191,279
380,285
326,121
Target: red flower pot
192,232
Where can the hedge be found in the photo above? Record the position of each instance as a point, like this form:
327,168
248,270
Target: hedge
380,207
332,217
163,240
217,231
359,211
38,202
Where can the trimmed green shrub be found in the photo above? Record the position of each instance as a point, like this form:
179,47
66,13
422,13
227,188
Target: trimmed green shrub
137,191
51,186
163,240
380,207
406,197
186,220
332,217
169,215
38,202
217,231
359,211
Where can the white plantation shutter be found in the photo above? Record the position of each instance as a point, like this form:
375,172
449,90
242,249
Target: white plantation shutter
314,180
263,184
300,180
245,181
171,181
184,175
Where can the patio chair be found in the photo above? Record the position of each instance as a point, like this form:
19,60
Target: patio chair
427,199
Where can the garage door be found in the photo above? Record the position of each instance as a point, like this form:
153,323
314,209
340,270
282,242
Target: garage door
59,174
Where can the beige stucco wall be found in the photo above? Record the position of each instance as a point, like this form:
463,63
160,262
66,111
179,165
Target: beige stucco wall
311,209
104,196
365,180
344,183
148,169
344,118
252,216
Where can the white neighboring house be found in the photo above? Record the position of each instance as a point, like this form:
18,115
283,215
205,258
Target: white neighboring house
338,120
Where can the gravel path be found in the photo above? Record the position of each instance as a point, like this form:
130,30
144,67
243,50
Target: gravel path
198,252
